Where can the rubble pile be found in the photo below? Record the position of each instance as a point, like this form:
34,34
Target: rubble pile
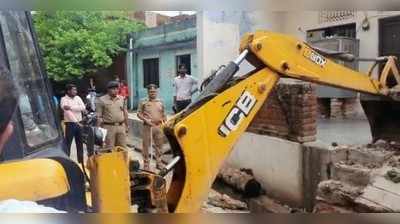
240,180
366,178
237,191
222,203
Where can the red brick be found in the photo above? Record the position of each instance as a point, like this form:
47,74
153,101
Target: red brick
307,133
304,108
276,122
303,139
296,104
309,120
305,127
307,114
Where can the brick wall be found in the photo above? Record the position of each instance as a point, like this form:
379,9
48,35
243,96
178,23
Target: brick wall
340,108
290,113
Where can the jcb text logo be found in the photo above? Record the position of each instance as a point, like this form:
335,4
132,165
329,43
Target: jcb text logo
315,57
241,110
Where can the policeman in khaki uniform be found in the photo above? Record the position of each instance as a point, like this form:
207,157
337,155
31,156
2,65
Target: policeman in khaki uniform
151,112
112,115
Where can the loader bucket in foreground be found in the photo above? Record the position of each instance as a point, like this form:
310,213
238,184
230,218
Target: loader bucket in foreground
384,119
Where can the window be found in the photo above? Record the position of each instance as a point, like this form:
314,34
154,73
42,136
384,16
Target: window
34,104
183,59
347,30
151,73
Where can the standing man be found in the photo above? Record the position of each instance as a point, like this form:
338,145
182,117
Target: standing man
112,115
185,86
124,91
91,96
73,107
151,112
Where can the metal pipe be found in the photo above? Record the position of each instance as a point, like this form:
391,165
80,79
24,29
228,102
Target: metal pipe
169,167
378,59
172,163
241,57
130,70
130,44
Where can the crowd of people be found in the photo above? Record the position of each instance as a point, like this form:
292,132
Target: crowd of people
112,114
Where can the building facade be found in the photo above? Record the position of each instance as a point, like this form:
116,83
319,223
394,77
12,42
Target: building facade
373,33
154,56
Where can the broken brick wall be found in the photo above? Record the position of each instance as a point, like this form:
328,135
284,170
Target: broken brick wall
290,113
341,108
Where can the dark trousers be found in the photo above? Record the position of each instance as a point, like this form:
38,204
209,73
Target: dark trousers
73,130
182,104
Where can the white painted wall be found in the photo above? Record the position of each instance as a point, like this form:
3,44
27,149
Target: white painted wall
219,32
217,41
276,163
266,20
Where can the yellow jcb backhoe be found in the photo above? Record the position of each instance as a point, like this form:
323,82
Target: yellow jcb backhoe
201,136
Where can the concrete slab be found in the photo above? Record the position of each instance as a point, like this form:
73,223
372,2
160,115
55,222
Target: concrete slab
382,197
366,206
381,182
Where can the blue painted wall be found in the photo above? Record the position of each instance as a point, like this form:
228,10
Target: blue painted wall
165,43
167,69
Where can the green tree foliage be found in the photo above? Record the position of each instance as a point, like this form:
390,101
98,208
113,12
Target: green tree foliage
75,43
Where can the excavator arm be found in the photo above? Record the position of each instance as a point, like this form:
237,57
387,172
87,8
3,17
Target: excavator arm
296,59
204,133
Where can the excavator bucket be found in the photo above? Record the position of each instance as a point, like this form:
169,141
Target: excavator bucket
384,119
383,113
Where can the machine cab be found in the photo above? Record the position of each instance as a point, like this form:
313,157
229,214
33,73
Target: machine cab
37,129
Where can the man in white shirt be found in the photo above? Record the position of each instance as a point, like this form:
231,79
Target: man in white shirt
185,86
73,107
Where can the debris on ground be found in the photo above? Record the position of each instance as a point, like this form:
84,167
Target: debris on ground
337,193
222,203
256,204
265,204
393,175
226,202
394,162
364,180
324,207
241,180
